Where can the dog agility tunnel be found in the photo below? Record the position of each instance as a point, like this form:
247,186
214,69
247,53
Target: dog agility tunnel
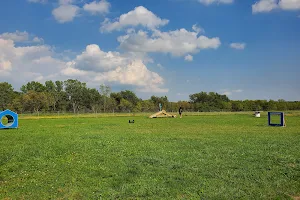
12,119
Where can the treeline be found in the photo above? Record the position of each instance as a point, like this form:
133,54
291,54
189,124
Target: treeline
74,96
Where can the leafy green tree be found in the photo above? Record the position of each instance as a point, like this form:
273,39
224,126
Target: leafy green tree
35,101
94,99
6,95
125,105
105,91
130,96
33,86
75,91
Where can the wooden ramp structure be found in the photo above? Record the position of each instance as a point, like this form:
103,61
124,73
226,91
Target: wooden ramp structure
161,114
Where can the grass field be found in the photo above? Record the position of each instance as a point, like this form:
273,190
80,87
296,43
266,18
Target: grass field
210,156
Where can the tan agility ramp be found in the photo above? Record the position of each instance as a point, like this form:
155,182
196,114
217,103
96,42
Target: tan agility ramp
160,114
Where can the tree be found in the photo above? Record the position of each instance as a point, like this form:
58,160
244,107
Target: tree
33,86
130,96
105,91
125,105
94,99
157,100
75,91
6,94
35,101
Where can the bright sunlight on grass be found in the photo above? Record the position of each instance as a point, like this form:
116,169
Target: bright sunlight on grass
196,157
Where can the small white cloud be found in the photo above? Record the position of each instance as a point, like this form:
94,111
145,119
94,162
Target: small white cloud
197,29
239,46
65,13
238,91
209,2
289,4
101,7
160,66
16,36
64,2
37,40
188,58
228,92
269,5
181,94
37,1
264,6
139,16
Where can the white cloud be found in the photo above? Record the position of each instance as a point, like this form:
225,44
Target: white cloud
64,2
94,59
19,36
37,1
102,66
177,43
197,29
269,5
65,13
238,46
239,90
139,16
16,36
188,58
95,7
135,73
228,92
37,40
22,60
264,6
160,66
208,2
94,66
289,4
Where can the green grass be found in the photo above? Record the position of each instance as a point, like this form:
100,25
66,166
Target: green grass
211,156
4,120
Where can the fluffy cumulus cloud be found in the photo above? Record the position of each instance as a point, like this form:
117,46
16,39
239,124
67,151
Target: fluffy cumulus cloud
21,37
209,2
188,58
134,73
269,5
238,46
95,7
65,13
25,60
177,43
113,67
139,16
94,59
17,36
94,66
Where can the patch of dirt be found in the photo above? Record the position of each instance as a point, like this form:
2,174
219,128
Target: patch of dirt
296,198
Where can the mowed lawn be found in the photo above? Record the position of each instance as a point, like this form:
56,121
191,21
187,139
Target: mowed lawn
230,156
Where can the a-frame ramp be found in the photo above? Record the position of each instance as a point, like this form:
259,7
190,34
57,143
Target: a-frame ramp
160,114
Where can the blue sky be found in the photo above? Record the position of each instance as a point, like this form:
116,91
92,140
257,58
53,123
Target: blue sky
245,49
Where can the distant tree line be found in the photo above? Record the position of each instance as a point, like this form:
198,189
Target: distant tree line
74,96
